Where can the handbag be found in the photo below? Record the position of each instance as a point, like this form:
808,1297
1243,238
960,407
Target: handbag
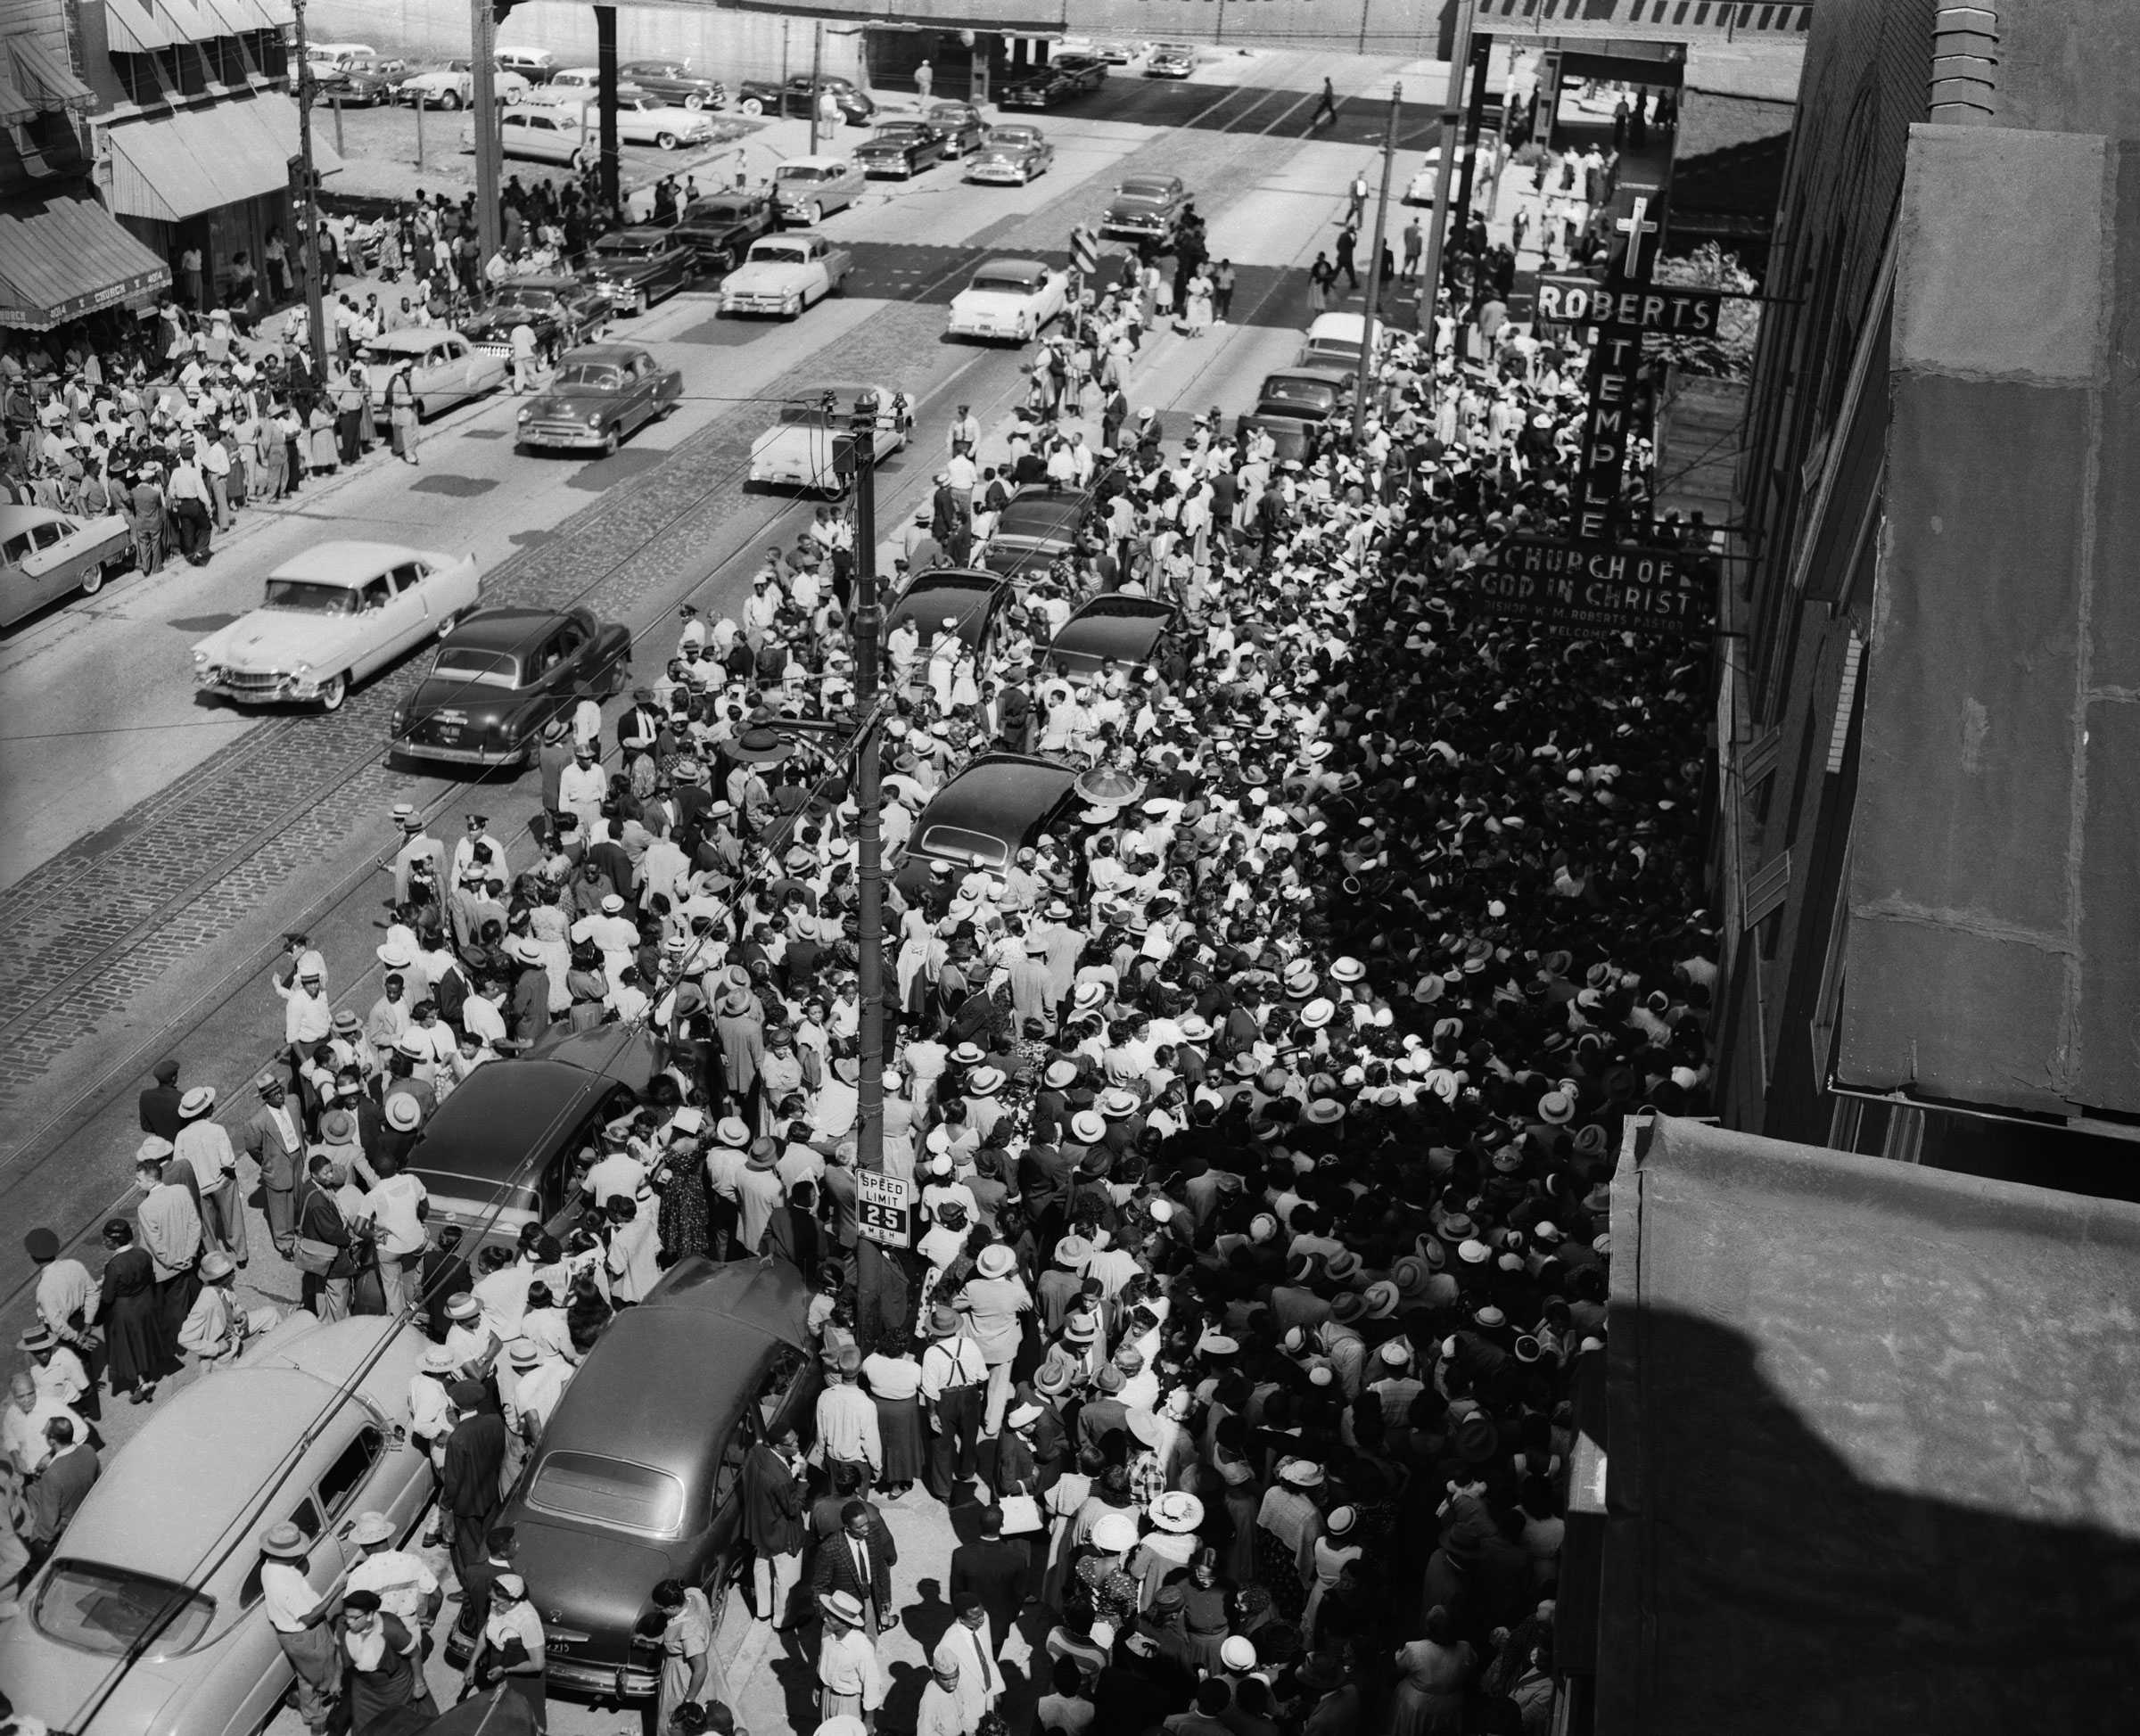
1021,1514
315,1258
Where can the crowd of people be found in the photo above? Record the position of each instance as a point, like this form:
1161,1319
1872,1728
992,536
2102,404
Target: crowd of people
1255,1123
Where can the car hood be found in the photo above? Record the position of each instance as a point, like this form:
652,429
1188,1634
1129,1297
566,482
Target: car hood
764,274
622,271
1138,209
271,639
499,322
595,1581
884,147
999,153
55,1683
568,403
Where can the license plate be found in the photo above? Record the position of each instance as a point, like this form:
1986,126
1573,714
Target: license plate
450,732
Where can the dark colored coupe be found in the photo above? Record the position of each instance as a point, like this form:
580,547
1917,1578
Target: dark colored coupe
985,815
960,124
901,149
501,676
673,81
637,267
640,1473
719,229
1068,76
798,95
972,598
1038,526
1117,630
1146,208
600,393
559,310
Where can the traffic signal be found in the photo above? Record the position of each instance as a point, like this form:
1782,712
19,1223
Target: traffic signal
501,9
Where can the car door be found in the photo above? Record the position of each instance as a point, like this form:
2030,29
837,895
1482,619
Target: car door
410,610
253,1673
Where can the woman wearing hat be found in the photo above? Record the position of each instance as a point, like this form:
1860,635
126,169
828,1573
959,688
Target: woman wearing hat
511,1651
1286,1524
1100,1585
1332,1552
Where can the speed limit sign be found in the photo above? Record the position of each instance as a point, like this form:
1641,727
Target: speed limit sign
883,1209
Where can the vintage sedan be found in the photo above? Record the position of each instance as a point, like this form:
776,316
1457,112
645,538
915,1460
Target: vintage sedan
674,81
1009,156
1170,60
969,600
148,1617
1085,72
561,311
601,392
637,267
47,555
445,367
1041,88
985,815
639,1477
1038,528
1145,207
1112,632
784,274
807,190
361,83
1009,301
960,124
331,616
800,450
901,149
719,229
453,86
644,118
799,95
501,675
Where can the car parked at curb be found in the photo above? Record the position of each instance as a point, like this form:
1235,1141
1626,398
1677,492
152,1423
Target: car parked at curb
799,95
46,555
557,134
537,65
362,84
638,267
674,81
1113,628
600,393
1009,155
332,615
503,674
453,86
901,149
984,817
719,228
1009,301
445,368
1039,526
561,311
1170,60
149,1616
1059,80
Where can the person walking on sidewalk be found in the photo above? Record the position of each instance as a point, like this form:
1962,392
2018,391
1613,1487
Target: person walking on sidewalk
1355,205
1327,109
925,81
1347,239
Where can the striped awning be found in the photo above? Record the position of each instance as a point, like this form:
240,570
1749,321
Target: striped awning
45,77
137,27
176,166
16,109
63,256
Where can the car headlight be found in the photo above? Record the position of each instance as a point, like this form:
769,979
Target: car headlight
301,671
399,721
200,660
593,419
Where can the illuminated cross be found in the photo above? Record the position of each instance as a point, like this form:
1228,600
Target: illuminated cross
1635,226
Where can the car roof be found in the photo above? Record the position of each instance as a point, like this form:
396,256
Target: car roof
1347,327
505,629
16,519
1021,785
819,161
619,353
637,232
347,563
1322,375
1012,263
1114,626
153,1511
501,1115
1041,503
766,1297
414,339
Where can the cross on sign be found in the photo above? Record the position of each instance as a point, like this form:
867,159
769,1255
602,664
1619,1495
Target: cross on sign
1635,226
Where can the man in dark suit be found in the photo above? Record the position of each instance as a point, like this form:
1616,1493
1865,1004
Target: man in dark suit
772,1525
59,1488
859,1561
159,1103
475,1453
996,1570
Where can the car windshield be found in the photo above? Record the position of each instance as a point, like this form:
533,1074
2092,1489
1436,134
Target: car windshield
1144,190
1005,283
958,844
625,247
713,210
1308,394
113,1611
309,597
1009,138
582,1486
588,376
492,668
801,172
779,255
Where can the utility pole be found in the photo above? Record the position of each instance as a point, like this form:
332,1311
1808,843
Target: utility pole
1374,270
817,71
482,72
1453,112
606,102
868,796
1475,118
315,312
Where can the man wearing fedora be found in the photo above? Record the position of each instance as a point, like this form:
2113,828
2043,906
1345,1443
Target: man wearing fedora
851,1679
271,1137
303,1621
954,1376
203,1145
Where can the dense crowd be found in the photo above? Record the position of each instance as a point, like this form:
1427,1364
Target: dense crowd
1256,1125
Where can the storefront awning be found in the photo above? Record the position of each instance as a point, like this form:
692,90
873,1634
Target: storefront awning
1868,1447
16,109
136,27
64,256
47,78
180,165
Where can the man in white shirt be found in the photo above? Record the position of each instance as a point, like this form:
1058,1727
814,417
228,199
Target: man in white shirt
396,1208
302,1627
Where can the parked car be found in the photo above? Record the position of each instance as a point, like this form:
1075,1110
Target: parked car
453,86
784,275
1009,300
332,615
901,149
799,450
1145,207
1335,340
960,124
554,134
1114,52
512,1152
1170,60
148,1618
646,118
675,82
561,311
1085,72
46,555
339,53
534,64
501,676
798,96
446,368
984,816
719,229
359,83
1009,155
975,599
600,393
1111,630
807,190
1038,527
571,83
638,267
1041,88
637,1476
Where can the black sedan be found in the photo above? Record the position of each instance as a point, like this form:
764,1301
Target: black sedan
1145,207
960,124
985,815
637,267
1117,630
638,1476
972,600
1057,82
362,84
901,149
1039,526
719,229
799,95
501,676
561,311
673,81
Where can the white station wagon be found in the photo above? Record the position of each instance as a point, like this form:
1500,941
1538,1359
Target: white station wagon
331,616
1009,301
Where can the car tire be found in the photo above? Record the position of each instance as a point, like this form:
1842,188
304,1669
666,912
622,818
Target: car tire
449,100
421,411
93,581
611,441
577,162
639,302
751,105
447,623
333,693
696,101
667,141
815,214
